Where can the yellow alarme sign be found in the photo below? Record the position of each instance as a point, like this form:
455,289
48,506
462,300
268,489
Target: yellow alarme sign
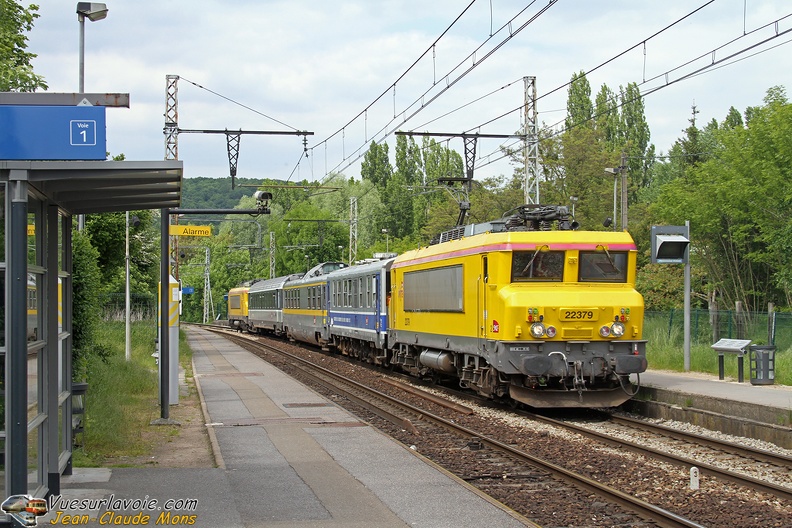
190,230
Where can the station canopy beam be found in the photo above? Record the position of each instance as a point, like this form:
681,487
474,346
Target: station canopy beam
114,100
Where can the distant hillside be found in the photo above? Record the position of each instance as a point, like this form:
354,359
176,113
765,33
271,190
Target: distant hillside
214,193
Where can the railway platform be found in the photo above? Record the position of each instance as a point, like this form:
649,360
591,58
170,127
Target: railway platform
286,457
738,408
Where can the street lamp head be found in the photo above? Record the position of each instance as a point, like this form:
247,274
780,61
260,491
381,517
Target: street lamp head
93,11
613,170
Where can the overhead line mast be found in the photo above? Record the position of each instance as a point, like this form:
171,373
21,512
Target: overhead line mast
531,143
172,130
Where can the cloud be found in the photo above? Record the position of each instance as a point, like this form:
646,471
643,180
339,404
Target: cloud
317,65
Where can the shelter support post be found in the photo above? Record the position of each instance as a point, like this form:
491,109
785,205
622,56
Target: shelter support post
16,334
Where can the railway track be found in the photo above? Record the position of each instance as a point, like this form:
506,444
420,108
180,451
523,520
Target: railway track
640,437
632,434
489,461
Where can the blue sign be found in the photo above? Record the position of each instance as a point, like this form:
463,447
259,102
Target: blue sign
83,133
187,290
52,133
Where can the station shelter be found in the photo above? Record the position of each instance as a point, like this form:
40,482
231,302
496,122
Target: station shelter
40,198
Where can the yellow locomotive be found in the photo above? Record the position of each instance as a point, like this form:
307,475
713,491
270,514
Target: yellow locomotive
238,307
526,307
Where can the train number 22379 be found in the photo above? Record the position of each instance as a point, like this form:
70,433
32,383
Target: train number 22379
578,315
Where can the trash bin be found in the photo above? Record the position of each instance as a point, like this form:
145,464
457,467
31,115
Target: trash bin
762,361
78,407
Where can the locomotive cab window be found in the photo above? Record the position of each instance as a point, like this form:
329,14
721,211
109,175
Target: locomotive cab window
603,266
537,266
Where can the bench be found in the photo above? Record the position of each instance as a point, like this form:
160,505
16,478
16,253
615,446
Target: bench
732,346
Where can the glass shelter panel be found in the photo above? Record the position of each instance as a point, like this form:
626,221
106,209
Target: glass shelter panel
33,233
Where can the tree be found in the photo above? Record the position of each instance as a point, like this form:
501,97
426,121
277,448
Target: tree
607,116
16,69
584,155
579,107
733,119
376,167
634,140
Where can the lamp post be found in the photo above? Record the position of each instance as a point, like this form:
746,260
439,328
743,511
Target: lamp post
128,334
93,11
615,173
574,200
387,240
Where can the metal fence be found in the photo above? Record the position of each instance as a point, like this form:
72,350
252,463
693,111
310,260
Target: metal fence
706,327
141,306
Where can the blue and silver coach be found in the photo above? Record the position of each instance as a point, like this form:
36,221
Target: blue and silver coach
358,310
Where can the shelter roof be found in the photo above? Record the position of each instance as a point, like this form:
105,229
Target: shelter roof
81,187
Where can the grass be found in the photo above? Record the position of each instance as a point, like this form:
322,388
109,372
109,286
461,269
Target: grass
123,396
665,351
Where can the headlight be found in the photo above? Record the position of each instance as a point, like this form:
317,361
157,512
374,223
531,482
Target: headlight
617,330
537,330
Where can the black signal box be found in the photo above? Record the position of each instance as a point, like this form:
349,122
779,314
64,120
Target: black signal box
670,244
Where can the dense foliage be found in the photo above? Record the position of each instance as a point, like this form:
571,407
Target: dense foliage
16,69
732,182
86,308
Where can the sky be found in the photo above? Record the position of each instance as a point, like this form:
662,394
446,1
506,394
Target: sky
353,71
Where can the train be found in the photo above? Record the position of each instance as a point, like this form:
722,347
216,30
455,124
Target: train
526,308
31,302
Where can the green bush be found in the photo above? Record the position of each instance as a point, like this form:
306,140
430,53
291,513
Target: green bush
86,310
122,395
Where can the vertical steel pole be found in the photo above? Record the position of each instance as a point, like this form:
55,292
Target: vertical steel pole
51,352
127,325
164,350
687,300
81,19
623,171
16,449
615,225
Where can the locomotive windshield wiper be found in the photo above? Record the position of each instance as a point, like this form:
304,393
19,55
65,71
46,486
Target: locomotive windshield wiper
613,264
530,262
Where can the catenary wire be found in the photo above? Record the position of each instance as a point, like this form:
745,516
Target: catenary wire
705,69
238,103
424,104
